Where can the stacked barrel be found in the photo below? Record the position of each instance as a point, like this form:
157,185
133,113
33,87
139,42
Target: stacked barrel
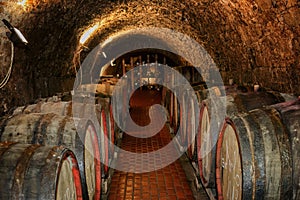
251,156
251,151
57,143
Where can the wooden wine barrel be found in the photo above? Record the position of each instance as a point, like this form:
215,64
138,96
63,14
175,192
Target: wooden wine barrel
253,157
178,112
182,112
187,121
104,137
236,102
201,92
124,101
192,117
112,132
189,118
117,107
52,129
38,172
290,115
206,139
167,102
175,112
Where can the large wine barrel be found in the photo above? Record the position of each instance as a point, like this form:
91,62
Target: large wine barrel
167,102
201,93
253,157
119,100
117,107
173,112
52,129
192,117
236,102
112,132
290,115
38,172
177,108
104,136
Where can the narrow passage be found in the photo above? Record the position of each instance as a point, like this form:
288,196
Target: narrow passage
167,183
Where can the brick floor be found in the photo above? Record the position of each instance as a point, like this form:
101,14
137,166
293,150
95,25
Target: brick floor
167,183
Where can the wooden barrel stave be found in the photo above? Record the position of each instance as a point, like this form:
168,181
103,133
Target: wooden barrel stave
104,137
257,151
274,163
33,172
285,155
290,115
117,106
112,132
176,113
182,119
193,116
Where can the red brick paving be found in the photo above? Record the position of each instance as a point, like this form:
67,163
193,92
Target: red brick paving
167,183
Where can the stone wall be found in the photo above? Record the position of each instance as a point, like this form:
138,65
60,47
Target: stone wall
250,41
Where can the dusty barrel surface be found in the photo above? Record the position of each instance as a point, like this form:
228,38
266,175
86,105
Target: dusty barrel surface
64,108
290,115
242,102
50,129
38,172
253,157
234,103
58,107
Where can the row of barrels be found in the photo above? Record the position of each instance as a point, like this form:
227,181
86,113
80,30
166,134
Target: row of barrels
56,125
251,152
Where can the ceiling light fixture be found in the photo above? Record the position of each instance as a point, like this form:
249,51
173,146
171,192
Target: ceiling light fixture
22,3
16,38
88,33
15,34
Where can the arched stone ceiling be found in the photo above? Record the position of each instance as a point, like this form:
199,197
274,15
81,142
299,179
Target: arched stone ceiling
250,41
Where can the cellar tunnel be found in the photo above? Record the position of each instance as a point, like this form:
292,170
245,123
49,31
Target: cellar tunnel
236,73
247,40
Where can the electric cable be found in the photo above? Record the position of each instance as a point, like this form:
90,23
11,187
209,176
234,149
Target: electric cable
7,76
